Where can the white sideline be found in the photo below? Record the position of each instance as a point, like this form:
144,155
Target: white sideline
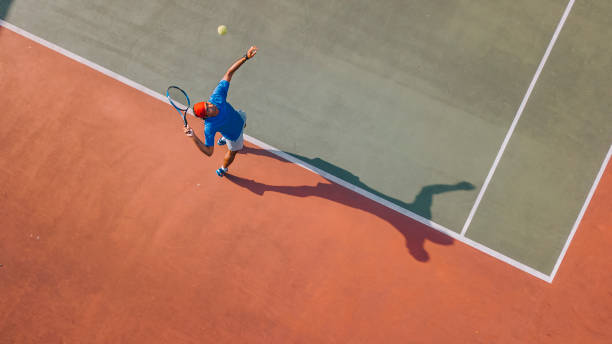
604,164
519,112
403,211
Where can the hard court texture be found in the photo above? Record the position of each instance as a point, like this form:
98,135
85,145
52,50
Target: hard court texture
115,229
395,98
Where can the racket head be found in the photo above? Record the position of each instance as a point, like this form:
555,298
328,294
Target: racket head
178,98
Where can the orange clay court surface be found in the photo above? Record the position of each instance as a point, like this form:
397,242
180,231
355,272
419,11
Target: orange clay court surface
114,228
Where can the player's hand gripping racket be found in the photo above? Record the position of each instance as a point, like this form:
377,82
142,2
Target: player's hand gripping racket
179,100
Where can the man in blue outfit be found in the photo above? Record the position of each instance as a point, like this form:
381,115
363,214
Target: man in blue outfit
220,116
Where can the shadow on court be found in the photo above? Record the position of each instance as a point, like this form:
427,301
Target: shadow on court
415,233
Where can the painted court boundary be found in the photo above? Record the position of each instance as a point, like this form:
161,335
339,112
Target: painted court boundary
288,157
518,115
502,149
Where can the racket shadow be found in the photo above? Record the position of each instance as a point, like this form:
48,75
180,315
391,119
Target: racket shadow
415,233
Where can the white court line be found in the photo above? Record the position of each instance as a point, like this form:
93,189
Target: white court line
519,112
292,159
582,211
403,211
86,62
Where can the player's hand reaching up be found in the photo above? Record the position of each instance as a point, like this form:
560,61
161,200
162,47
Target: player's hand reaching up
188,131
251,52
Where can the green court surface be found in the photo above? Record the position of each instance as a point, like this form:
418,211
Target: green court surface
557,147
395,98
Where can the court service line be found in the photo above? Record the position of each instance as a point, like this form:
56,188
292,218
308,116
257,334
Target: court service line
519,112
581,214
288,157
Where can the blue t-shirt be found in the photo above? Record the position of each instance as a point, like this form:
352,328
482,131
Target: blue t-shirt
228,122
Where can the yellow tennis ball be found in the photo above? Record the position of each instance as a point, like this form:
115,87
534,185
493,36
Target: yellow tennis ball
222,30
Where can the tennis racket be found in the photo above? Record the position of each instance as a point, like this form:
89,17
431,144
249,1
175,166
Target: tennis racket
179,100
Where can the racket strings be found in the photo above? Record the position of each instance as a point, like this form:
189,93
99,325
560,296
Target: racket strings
178,98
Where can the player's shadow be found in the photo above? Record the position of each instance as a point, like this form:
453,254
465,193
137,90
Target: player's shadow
414,232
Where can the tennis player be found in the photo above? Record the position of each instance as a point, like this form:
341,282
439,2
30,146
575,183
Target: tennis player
220,116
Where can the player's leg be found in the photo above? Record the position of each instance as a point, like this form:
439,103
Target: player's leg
233,148
229,158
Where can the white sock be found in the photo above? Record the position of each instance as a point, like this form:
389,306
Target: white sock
223,168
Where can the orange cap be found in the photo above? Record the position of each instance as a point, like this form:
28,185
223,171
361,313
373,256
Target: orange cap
199,109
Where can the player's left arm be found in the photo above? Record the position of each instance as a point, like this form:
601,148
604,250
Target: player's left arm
208,150
250,53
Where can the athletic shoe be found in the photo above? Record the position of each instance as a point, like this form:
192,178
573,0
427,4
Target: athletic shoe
221,141
221,172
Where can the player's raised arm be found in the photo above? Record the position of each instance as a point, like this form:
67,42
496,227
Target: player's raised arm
249,54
